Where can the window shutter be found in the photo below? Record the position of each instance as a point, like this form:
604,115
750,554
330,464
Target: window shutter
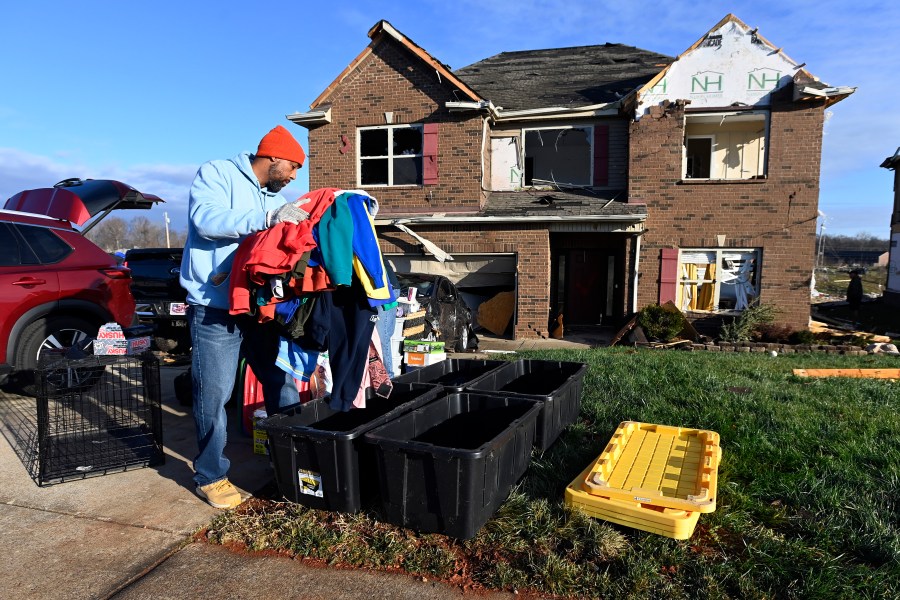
430,154
668,274
601,155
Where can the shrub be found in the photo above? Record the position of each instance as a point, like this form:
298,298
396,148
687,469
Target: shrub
659,323
803,336
773,332
741,329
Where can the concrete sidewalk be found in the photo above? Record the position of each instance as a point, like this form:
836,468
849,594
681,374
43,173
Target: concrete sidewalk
128,534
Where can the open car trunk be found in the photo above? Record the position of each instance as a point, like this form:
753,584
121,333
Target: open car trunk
79,200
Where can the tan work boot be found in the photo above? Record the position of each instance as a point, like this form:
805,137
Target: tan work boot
220,494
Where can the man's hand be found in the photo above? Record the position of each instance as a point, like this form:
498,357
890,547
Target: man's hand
288,212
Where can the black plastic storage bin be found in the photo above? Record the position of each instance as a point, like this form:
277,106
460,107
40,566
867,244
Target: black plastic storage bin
447,466
452,374
318,454
557,385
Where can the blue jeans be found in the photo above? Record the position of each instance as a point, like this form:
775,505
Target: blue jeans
217,338
387,320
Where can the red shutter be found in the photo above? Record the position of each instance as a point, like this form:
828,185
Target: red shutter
668,274
430,153
601,155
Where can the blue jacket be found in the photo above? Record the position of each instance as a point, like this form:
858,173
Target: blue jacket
226,205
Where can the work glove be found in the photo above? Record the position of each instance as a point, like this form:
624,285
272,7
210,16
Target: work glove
288,212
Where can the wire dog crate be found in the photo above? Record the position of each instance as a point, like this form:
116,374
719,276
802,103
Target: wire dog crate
94,415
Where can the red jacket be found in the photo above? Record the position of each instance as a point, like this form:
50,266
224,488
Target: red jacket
275,250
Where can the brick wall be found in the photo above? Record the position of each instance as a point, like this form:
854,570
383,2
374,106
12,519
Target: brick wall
531,244
391,80
777,214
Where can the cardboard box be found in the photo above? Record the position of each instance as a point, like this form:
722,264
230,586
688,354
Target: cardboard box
426,346
423,359
111,341
260,437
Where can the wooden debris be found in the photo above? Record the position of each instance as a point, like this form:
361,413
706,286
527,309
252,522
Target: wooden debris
632,322
856,373
496,313
558,329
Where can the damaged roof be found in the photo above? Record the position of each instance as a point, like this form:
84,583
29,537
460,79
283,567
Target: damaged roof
562,77
539,206
892,162
557,204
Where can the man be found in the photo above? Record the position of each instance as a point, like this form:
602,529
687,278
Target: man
229,200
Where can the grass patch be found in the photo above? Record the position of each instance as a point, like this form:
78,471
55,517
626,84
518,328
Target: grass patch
807,506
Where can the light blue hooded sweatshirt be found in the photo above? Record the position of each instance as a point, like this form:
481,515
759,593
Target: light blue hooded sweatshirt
226,205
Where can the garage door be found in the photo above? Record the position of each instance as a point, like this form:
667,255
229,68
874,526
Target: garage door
466,270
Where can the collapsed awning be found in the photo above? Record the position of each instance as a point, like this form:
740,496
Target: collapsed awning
466,270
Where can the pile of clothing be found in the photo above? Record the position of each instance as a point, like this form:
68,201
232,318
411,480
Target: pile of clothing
324,280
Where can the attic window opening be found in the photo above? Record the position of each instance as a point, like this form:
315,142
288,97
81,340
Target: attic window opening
725,146
565,161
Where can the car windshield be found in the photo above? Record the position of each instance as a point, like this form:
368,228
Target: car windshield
423,283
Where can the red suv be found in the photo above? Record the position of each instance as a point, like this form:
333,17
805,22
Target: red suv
57,286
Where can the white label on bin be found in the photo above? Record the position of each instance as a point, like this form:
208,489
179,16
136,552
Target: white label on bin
310,483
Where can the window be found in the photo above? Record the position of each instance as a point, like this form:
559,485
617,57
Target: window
390,155
725,146
9,247
717,279
699,154
45,244
561,155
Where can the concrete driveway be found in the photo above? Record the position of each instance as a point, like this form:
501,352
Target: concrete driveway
128,534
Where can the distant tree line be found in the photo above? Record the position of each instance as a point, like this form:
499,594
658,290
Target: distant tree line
114,234
845,251
860,242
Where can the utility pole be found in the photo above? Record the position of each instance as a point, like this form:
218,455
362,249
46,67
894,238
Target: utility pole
820,253
167,229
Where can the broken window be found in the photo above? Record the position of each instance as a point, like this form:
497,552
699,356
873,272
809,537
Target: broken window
558,156
390,155
717,279
725,146
699,154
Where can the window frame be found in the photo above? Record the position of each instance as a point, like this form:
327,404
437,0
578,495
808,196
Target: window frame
712,150
391,157
716,166
590,133
717,279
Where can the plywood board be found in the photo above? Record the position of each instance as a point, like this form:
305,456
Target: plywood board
857,373
496,313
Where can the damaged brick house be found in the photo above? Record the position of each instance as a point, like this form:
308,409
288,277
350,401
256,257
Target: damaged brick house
591,181
892,289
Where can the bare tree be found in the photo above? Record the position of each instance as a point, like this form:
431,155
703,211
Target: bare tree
115,233
146,234
111,234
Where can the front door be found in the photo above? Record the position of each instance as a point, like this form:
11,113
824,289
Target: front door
587,284
586,297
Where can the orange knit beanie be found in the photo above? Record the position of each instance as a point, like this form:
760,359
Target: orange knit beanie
279,143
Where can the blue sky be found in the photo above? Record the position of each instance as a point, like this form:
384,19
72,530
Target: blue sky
146,92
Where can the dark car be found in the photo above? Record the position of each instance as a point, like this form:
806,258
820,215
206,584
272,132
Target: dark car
160,299
57,286
446,313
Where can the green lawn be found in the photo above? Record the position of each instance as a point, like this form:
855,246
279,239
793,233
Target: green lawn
807,507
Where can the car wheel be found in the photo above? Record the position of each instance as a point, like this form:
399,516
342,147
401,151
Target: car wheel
462,339
55,334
